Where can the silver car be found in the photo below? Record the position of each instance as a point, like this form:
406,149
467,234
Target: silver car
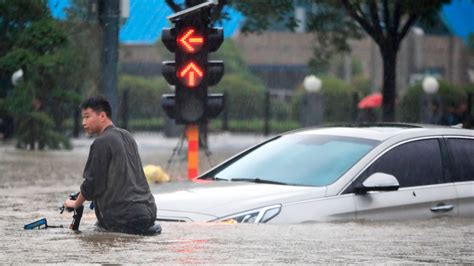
379,172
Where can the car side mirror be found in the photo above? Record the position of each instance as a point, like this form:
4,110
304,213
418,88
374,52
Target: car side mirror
378,182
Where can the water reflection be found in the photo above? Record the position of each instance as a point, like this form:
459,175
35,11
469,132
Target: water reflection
98,239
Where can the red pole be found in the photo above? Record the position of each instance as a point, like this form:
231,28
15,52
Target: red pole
192,134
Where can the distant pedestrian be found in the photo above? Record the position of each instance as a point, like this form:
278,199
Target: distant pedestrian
436,115
113,176
463,115
367,115
450,118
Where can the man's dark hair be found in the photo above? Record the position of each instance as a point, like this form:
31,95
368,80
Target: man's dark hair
97,104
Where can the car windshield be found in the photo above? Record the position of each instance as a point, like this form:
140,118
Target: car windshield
299,159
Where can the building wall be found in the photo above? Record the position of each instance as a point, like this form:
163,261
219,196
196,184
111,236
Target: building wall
445,56
139,53
276,48
141,60
452,57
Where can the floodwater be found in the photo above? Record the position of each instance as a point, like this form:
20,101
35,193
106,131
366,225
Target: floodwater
34,184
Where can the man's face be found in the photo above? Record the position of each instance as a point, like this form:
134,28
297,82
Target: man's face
92,121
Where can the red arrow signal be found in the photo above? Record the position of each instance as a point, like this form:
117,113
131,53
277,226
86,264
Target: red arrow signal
190,42
192,74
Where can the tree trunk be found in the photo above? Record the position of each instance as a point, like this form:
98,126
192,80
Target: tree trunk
389,92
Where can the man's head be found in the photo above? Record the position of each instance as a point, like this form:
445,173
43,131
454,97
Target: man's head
96,114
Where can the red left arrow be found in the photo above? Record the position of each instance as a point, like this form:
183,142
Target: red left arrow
192,73
191,42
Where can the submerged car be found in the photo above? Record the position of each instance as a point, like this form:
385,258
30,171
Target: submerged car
377,172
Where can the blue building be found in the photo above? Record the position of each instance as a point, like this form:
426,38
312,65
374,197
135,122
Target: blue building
146,20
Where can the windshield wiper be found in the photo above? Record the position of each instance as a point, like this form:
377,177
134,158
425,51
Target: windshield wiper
258,180
254,180
214,178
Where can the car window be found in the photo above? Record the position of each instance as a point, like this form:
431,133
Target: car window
299,159
462,154
415,163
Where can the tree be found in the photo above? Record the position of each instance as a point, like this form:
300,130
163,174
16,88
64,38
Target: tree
470,44
34,42
335,22
11,23
387,23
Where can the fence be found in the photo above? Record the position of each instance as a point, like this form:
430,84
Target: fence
276,111
272,112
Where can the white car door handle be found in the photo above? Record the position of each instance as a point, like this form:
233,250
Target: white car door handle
442,208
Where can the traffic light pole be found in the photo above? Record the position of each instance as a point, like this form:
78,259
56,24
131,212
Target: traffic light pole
191,40
192,135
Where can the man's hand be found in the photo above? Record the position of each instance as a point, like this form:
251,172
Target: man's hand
74,204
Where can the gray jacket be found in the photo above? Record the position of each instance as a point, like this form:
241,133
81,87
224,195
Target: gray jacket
114,180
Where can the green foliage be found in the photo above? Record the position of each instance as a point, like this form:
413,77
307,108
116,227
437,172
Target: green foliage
338,100
244,92
20,99
282,126
280,109
16,16
334,28
84,50
361,85
469,88
260,15
449,95
17,58
244,96
229,53
470,44
144,95
36,43
79,11
34,129
255,125
43,36
150,124
3,107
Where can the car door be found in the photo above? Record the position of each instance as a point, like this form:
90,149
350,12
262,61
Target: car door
321,209
423,192
461,151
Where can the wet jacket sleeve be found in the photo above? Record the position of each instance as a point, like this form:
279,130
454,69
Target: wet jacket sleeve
95,172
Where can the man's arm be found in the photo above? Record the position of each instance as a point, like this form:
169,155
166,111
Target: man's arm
95,172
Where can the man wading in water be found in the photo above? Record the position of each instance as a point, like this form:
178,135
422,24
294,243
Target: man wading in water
113,176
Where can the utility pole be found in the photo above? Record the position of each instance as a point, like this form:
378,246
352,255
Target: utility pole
109,16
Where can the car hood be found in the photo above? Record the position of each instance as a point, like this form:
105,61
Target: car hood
216,199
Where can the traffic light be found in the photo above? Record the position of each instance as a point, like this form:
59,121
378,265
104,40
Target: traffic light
191,40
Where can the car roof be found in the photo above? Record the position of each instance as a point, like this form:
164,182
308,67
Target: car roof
383,131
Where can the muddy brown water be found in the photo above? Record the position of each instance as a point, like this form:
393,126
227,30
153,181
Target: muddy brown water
34,184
